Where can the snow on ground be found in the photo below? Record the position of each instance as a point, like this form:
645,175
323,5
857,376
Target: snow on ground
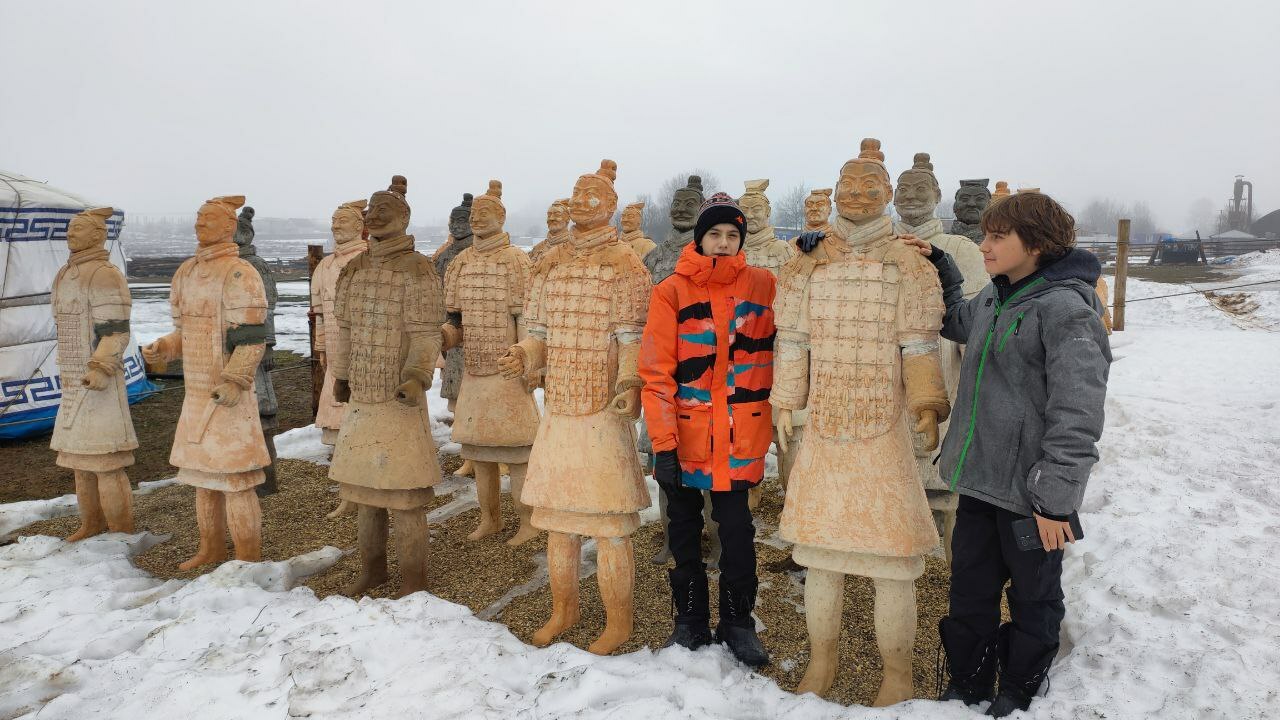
1172,608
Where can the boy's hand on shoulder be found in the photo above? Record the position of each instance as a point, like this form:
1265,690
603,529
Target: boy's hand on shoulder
921,246
1054,534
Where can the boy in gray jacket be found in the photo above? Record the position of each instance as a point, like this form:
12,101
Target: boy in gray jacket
1022,441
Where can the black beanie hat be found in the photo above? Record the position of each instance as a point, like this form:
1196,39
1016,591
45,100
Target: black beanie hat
719,208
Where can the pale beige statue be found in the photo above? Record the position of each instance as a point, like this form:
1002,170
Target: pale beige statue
632,232
219,309
348,242
389,307
585,314
916,198
496,418
557,229
858,320
93,433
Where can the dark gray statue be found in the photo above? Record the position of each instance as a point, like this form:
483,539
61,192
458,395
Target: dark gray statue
661,261
459,240
267,404
971,199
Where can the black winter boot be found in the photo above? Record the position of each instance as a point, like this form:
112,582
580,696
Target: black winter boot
971,663
691,608
737,628
1024,663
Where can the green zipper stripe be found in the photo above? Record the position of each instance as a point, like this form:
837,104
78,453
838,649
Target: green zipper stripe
977,382
1013,327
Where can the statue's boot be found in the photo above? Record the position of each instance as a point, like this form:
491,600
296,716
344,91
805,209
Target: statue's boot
526,531
564,556
712,528
244,519
895,617
616,573
663,556
412,543
490,498
211,517
345,507
824,605
92,521
468,469
371,544
117,500
268,486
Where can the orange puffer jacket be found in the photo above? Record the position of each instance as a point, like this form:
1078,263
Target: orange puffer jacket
707,364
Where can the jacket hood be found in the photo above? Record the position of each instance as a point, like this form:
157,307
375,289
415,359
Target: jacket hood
703,269
1078,269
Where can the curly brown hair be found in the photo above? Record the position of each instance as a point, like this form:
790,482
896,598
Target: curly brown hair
1039,220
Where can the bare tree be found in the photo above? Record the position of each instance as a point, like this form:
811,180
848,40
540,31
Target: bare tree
1100,216
788,208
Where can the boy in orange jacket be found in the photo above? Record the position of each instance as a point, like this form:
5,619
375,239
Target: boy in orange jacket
707,363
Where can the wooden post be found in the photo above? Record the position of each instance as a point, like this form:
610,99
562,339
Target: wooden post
1122,274
315,253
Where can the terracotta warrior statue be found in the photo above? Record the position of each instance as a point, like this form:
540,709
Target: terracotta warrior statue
916,198
219,310
267,404
557,229
971,199
632,232
389,308
858,320
762,247
348,242
817,210
585,314
93,433
661,261
1001,192
459,239
496,418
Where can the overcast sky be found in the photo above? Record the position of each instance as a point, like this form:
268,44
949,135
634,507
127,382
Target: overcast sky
155,107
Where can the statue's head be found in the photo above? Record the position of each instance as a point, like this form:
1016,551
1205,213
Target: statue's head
387,215
632,217
817,207
460,219
917,194
348,222
685,204
216,221
971,199
558,216
594,200
1002,191
244,227
88,229
487,211
755,206
863,190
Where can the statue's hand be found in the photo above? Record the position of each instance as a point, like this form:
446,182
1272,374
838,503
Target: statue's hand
95,379
153,356
268,360
410,392
512,363
807,241
226,394
784,430
927,426
450,337
341,390
627,403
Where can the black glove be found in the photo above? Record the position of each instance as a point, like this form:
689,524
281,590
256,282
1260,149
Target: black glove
948,275
809,240
666,470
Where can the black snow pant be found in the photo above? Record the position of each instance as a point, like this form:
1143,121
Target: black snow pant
737,535
984,557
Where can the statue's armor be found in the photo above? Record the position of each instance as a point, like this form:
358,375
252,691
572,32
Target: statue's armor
639,244
551,242
768,252
379,301
488,289
324,291
661,261
268,406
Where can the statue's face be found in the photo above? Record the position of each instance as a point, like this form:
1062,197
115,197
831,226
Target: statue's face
557,218
756,209
916,196
214,224
84,234
631,218
592,205
684,209
487,218
460,223
346,226
970,202
817,210
863,192
386,217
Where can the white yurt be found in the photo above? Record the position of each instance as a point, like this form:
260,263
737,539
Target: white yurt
33,246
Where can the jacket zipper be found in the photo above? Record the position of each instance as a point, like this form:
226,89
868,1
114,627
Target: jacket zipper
1013,330
977,383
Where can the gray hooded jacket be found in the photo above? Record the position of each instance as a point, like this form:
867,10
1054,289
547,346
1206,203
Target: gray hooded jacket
1029,410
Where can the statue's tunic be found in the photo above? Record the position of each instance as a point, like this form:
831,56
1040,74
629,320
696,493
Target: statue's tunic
268,406
451,376
551,242
324,290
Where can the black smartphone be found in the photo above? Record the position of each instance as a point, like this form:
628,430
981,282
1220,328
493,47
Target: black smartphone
1027,535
